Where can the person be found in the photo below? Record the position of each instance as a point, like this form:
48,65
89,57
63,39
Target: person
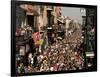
20,68
35,60
32,46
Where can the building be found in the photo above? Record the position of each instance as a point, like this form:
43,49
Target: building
89,24
36,18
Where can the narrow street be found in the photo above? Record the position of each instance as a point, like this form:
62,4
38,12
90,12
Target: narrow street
49,40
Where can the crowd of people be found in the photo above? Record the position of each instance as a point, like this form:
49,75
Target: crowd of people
63,55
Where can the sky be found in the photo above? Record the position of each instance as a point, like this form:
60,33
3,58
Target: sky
73,13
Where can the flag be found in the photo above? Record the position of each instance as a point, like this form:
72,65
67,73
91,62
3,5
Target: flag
37,37
39,42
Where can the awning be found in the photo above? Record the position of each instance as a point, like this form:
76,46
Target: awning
89,54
